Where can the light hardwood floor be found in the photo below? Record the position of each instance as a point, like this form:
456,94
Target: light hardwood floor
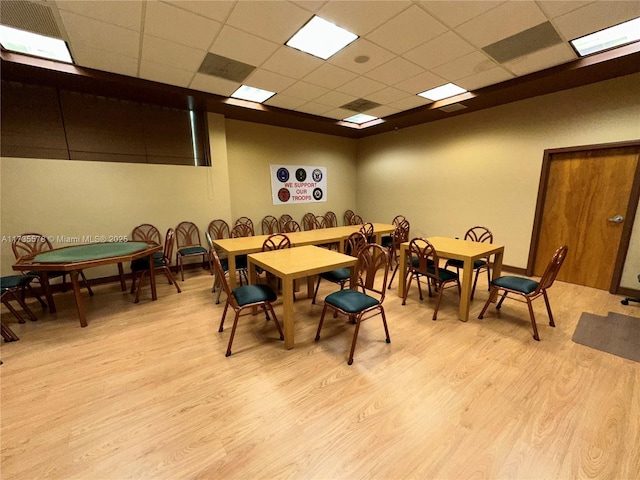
145,391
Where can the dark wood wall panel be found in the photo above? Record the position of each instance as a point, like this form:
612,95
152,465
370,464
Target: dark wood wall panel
31,122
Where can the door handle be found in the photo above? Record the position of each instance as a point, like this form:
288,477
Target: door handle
616,219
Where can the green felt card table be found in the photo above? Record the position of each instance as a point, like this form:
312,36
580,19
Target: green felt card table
75,258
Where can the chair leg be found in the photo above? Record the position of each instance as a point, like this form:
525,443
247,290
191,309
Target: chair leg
475,282
86,283
488,276
492,294
384,323
406,289
172,281
546,301
8,334
275,320
224,315
140,284
355,339
23,305
315,293
533,320
440,290
395,270
233,333
420,288
13,311
42,303
324,310
499,305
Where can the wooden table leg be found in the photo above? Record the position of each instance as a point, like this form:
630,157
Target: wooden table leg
123,285
231,259
287,320
82,316
465,294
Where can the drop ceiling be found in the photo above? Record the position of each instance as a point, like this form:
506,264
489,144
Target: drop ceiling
404,47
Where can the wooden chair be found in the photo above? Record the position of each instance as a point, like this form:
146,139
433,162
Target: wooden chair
290,227
357,220
424,262
386,240
284,218
529,289
140,266
475,234
219,229
28,243
188,244
319,222
348,215
353,244
308,221
330,219
146,233
367,230
12,288
398,237
270,225
366,302
277,241
242,298
7,333
241,269
247,222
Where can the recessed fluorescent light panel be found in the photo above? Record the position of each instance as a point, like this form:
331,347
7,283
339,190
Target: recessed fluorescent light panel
360,118
608,38
443,91
321,38
252,94
33,44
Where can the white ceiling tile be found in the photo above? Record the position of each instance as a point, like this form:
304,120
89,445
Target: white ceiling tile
454,13
215,10
339,113
164,52
387,95
105,61
462,67
596,16
242,46
211,84
420,83
285,101
351,15
395,71
361,87
382,111
542,59
165,74
410,102
277,21
502,22
407,30
442,49
99,35
179,26
329,76
311,5
555,8
266,80
291,62
346,58
124,14
314,108
335,99
305,90
484,78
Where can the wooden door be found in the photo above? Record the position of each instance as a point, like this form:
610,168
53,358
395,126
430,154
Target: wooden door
585,191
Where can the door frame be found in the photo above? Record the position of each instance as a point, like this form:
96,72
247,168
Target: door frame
632,206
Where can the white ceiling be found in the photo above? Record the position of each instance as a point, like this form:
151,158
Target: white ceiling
412,45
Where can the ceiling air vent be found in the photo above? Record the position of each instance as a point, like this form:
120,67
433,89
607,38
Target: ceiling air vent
226,68
360,105
454,107
30,16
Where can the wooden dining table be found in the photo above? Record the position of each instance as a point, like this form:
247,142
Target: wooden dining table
464,250
75,258
290,264
322,236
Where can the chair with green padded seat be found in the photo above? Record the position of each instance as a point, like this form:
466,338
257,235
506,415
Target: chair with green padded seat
475,234
308,221
386,240
529,289
353,244
188,244
290,226
30,243
398,237
425,263
140,266
12,288
284,218
244,297
270,225
330,219
247,223
366,302
346,218
368,231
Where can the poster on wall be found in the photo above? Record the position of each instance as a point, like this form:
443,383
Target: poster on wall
298,184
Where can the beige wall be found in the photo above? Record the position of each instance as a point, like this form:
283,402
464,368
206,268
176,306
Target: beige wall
483,168
252,148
